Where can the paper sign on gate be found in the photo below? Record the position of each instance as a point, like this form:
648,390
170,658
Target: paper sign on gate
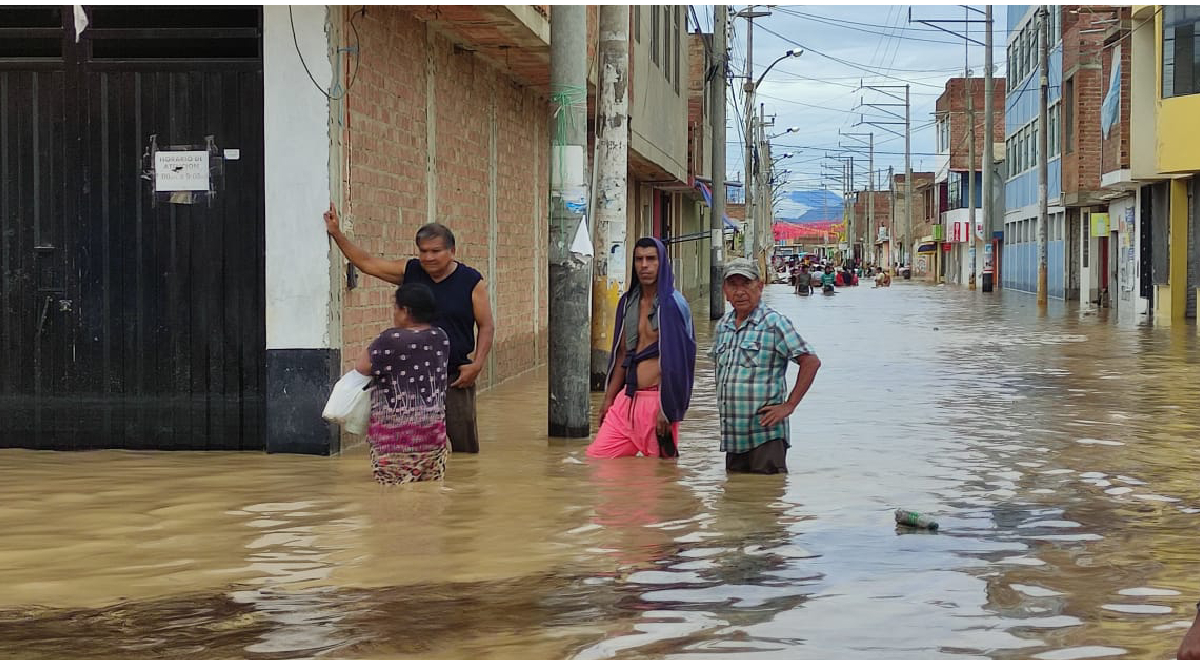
181,170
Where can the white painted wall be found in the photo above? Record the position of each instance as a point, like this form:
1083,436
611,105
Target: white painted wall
1089,276
296,143
1131,306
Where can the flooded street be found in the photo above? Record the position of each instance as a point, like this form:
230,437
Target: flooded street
1057,450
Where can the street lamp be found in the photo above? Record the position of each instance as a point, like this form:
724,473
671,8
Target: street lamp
791,129
789,54
750,85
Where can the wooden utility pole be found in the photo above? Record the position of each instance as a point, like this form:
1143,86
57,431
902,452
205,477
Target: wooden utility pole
1043,166
570,250
716,298
612,165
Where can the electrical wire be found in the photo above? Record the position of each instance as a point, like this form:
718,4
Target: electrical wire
357,56
855,65
848,22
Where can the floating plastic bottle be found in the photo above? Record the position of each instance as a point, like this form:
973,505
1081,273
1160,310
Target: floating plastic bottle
915,519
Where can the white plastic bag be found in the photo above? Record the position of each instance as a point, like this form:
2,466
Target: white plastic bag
350,403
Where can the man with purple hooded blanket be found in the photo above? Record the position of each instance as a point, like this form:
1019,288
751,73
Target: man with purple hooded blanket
652,365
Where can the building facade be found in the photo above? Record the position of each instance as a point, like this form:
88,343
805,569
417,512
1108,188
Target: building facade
1019,264
1111,271
955,171
174,273
1164,157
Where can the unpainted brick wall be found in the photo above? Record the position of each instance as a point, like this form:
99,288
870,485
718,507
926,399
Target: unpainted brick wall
1115,145
387,115
1082,41
954,101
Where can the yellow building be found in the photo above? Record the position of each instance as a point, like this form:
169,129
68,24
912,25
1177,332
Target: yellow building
1172,137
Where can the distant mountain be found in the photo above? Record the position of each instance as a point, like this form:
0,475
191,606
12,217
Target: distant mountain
810,207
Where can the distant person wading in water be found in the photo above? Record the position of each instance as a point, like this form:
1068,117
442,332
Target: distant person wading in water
407,364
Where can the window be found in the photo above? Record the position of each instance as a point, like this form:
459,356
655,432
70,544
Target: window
1011,71
40,34
654,33
637,23
1056,130
1181,52
1023,68
666,42
1021,161
943,134
678,52
1035,153
1068,105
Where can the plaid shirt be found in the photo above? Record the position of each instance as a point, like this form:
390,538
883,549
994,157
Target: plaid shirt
751,371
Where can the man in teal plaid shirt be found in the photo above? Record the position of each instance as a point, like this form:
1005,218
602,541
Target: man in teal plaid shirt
752,349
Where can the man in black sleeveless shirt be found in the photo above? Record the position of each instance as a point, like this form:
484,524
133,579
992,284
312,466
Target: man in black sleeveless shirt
463,307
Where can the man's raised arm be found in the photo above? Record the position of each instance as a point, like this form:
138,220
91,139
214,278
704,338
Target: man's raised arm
384,269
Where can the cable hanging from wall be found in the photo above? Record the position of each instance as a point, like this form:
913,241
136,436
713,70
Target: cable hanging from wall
354,50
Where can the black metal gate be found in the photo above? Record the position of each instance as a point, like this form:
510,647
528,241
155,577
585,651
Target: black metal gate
132,318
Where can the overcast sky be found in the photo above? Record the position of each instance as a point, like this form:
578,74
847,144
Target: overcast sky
818,95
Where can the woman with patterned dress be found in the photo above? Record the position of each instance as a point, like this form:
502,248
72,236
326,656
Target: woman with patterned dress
407,363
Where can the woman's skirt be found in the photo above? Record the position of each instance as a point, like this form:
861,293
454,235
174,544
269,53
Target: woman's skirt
402,468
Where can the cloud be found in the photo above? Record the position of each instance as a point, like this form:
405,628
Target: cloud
819,95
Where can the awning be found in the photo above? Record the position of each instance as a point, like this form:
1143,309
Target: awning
927,247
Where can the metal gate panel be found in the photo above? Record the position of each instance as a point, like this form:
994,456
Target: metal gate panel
1193,251
35,333
137,322
171,295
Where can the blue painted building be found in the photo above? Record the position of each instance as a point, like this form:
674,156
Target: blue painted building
1018,259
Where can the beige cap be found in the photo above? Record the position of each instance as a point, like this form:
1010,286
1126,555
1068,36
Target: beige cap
743,267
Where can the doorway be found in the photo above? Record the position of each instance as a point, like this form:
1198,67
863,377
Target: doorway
137,315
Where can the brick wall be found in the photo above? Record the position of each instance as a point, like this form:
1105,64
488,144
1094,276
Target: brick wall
1115,145
388,141
954,101
883,211
920,223
1083,37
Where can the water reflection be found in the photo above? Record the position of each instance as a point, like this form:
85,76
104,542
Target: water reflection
1056,448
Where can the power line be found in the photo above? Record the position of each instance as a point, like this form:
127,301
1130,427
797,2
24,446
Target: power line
847,22
848,26
854,65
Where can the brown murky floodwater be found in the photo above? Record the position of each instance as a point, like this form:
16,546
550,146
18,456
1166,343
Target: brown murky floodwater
1059,451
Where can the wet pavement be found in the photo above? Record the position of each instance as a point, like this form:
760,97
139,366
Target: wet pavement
1058,450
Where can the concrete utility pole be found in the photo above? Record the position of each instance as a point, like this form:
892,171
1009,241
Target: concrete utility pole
1043,166
907,172
971,190
716,299
752,231
869,241
989,163
751,237
765,206
570,250
612,165
892,228
852,224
